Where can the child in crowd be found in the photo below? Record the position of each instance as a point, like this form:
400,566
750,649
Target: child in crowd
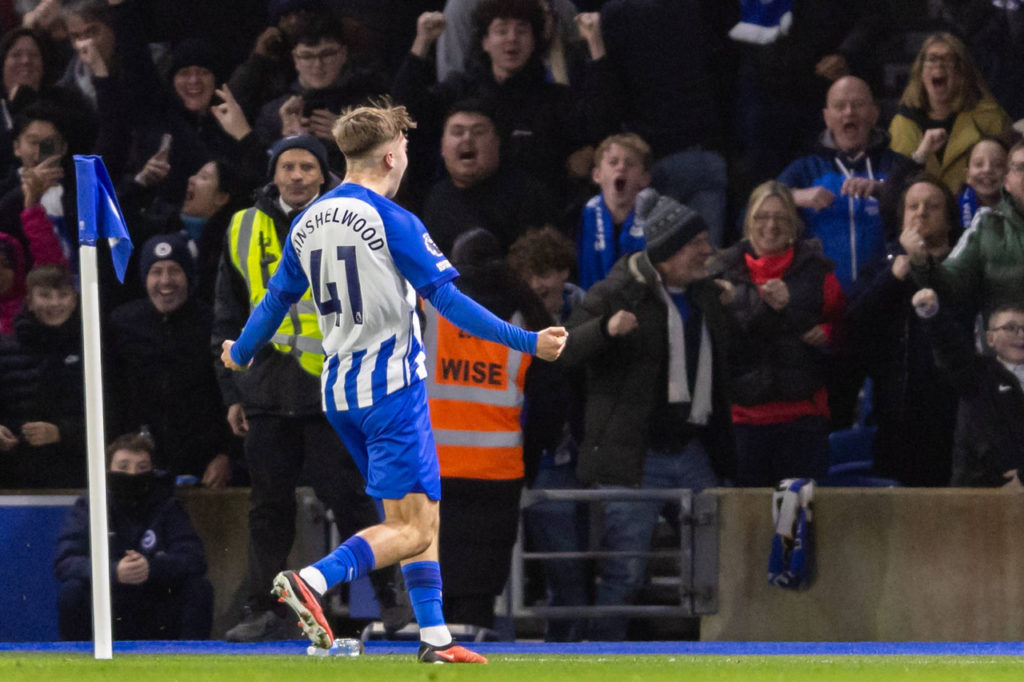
606,231
989,439
157,561
42,399
986,168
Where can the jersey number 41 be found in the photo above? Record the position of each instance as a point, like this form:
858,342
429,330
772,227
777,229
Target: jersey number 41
332,304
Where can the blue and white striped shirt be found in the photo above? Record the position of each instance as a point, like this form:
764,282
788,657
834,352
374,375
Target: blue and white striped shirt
366,259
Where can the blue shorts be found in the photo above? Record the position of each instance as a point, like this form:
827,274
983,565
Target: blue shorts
392,443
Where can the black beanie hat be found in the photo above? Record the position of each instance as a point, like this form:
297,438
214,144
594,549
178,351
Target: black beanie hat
307,142
195,52
668,225
278,8
167,247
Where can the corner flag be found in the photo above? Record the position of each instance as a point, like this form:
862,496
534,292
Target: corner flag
99,215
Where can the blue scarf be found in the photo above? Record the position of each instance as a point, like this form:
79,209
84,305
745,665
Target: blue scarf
193,226
597,248
968,206
790,558
762,22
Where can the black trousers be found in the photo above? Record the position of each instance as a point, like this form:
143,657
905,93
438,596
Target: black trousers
479,523
139,611
282,453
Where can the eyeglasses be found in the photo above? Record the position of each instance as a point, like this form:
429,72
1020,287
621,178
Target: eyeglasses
781,218
936,59
322,56
1016,167
1009,328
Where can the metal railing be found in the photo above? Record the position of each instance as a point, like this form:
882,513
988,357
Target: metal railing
697,554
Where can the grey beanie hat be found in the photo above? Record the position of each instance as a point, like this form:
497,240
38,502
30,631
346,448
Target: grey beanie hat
668,225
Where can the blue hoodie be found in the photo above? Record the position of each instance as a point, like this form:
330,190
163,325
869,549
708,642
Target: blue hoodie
850,230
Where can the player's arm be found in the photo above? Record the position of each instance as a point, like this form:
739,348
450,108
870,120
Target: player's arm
469,315
287,286
425,267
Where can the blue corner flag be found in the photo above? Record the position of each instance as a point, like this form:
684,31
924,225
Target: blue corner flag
99,215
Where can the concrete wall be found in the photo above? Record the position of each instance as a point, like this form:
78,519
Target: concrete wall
30,522
221,518
891,565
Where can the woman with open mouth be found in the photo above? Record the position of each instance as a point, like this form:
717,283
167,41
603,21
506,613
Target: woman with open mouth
945,109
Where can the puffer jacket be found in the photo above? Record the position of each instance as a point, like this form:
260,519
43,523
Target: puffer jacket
41,380
159,528
986,267
768,361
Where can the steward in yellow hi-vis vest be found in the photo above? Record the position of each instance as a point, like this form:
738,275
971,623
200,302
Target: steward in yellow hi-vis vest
255,250
475,389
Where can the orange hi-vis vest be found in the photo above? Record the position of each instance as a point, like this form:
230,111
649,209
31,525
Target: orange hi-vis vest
475,388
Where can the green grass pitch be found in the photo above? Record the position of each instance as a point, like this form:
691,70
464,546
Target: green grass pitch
507,668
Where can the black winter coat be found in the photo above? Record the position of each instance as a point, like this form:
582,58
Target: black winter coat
159,529
41,380
354,87
539,123
161,374
989,437
627,377
768,361
914,401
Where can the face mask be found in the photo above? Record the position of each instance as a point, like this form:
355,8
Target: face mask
130,489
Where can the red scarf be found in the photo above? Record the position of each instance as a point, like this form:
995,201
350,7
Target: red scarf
771,266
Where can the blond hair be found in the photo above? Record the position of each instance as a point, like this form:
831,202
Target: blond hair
360,131
763,192
969,90
630,141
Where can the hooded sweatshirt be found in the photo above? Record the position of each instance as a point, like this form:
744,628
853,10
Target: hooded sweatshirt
850,230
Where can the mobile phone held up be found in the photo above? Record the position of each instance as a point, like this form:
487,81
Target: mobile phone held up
48,147
312,102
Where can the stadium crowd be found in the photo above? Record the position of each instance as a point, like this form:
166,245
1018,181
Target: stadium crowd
730,205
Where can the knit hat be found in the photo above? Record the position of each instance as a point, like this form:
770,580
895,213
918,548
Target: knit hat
167,247
307,142
668,225
195,52
278,8
476,246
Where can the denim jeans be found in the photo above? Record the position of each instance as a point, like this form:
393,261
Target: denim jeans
560,527
696,177
629,526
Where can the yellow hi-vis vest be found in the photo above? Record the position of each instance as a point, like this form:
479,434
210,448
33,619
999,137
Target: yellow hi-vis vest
256,252
475,389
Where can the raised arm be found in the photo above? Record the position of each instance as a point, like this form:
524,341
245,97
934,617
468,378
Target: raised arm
472,317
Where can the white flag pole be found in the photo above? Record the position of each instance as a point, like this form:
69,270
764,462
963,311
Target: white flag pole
101,621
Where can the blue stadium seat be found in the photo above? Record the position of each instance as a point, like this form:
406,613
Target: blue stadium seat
851,463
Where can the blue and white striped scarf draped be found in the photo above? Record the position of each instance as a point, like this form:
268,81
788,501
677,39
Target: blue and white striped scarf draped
789,563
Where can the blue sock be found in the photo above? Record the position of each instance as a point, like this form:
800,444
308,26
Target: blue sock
350,560
423,581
